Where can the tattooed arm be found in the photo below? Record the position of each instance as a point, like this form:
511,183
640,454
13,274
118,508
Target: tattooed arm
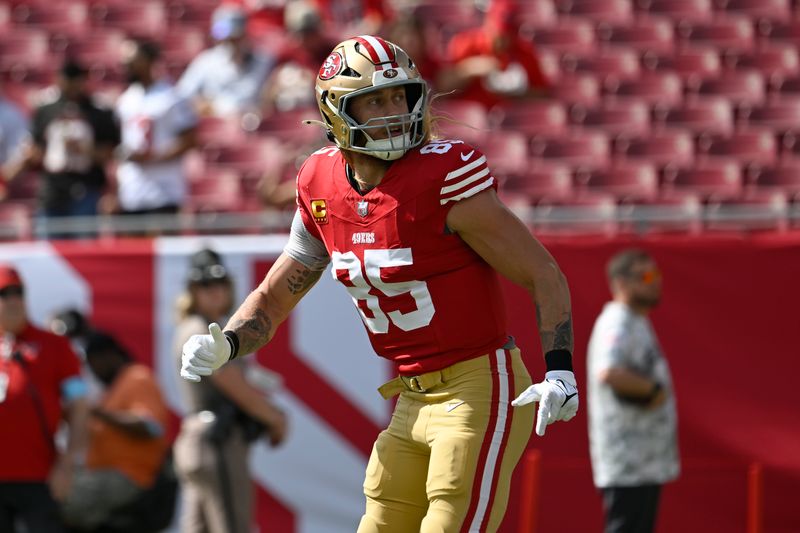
269,304
498,236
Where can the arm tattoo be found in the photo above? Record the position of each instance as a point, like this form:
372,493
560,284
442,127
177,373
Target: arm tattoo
252,332
559,338
302,280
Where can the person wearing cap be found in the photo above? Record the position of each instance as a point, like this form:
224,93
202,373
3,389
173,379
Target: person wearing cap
492,64
228,78
225,415
127,441
40,385
73,139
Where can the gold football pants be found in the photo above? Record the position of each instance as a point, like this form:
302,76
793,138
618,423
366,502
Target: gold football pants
444,464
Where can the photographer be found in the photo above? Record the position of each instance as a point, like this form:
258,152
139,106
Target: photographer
226,414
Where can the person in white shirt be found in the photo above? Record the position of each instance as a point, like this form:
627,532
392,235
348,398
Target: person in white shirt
228,78
158,128
632,418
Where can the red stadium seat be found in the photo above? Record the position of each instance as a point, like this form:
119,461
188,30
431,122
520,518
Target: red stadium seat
750,146
586,214
143,18
678,10
755,211
549,182
738,86
631,118
5,17
784,178
460,119
616,63
290,127
183,43
627,182
191,12
664,148
535,14
579,150
705,115
219,191
506,153
54,17
24,49
787,87
651,87
577,89
15,221
644,35
782,31
611,11
757,9
568,36
537,117
689,63
779,115
101,51
679,212
217,131
778,61
723,33
713,179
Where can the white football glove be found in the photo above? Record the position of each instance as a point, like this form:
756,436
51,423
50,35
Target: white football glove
557,396
203,354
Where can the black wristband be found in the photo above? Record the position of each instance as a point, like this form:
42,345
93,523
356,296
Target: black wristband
558,360
233,340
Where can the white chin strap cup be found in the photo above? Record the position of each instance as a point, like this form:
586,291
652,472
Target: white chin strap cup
387,149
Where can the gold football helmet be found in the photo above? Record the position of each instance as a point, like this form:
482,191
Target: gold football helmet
360,65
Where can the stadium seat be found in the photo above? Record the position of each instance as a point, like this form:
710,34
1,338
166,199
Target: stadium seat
568,36
182,43
779,115
535,14
5,17
650,87
576,89
615,63
784,178
756,9
723,33
460,119
219,191
101,52
777,60
289,127
536,117
195,13
549,182
787,31
786,87
699,115
216,131
749,146
680,212
587,150
677,10
586,214
70,18
506,153
711,180
15,221
143,18
627,182
738,86
663,148
614,118
644,35
611,11
690,64
24,49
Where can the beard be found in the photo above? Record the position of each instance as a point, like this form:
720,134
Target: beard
648,301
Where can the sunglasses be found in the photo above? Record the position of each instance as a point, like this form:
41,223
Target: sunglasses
648,277
12,290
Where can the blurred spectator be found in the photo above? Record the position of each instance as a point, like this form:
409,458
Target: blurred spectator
291,84
226,414
632,419
72,324
493,64
408,31
39,382
229,77
73,140
158,128
127,443
13,145
353,17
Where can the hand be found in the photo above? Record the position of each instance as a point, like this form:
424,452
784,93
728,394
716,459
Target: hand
203,354
277,430
557,396
60,479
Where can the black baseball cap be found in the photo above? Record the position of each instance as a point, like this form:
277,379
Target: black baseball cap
206,265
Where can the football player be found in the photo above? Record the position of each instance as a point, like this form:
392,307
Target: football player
413,228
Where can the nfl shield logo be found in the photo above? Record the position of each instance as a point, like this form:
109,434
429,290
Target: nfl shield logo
363,208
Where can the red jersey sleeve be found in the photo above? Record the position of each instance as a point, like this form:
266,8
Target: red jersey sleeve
313,211
467,174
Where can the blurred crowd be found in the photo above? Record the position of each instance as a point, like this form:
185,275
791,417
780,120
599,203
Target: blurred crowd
164,124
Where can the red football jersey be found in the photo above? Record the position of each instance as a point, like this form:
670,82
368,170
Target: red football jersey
426,298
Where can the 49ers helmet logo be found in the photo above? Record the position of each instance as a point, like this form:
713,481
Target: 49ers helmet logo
331,66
